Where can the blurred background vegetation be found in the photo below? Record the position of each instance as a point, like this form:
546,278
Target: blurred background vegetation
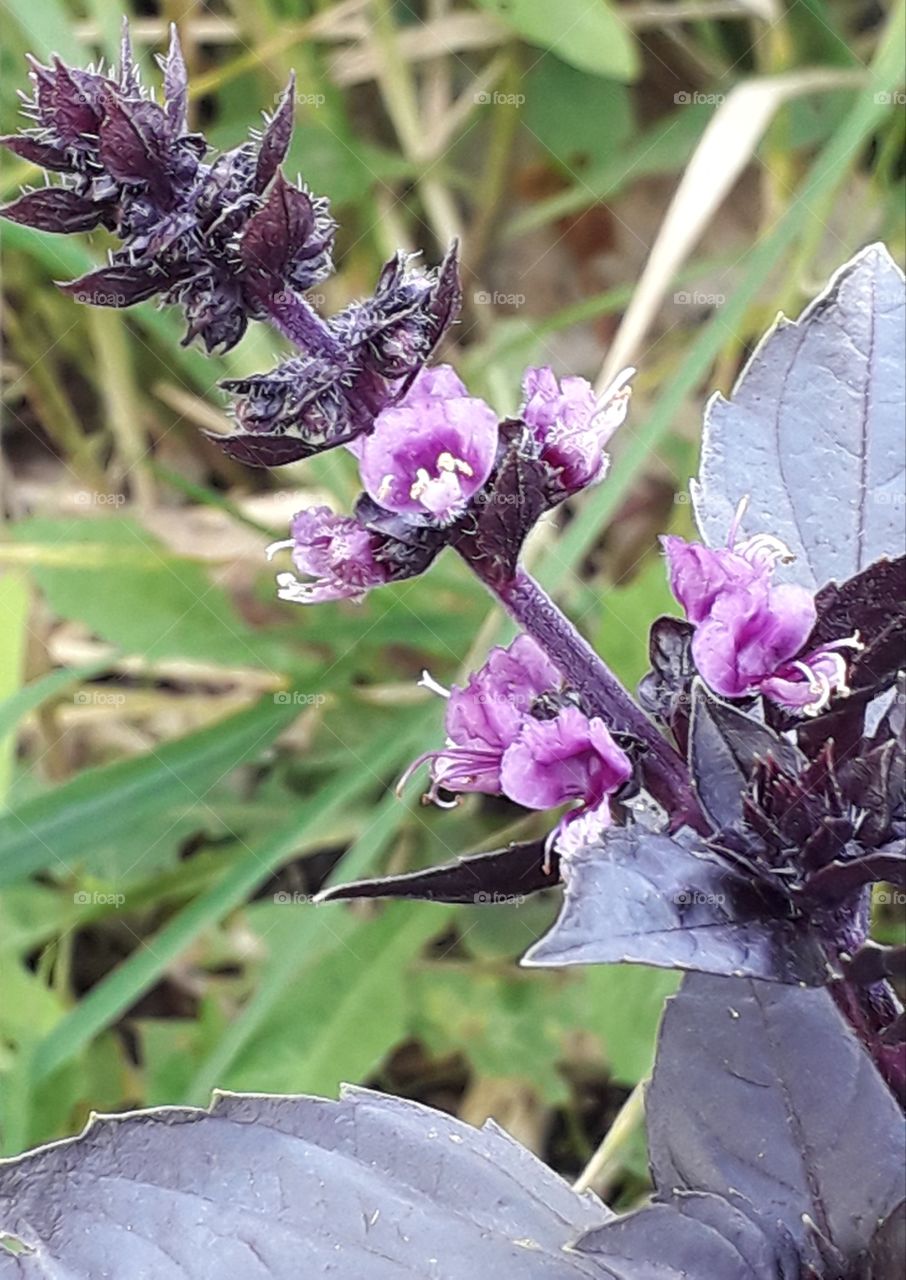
183,759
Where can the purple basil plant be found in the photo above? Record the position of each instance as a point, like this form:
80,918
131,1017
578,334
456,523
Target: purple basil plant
730,820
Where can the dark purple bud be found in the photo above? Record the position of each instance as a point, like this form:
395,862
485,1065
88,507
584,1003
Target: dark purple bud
360,364
134,144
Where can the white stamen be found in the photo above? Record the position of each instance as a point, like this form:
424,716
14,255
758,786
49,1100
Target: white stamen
284,545
764,546
819,685
428,682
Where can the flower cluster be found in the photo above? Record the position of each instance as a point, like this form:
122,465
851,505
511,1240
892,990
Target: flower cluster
751,634
436,467
515,730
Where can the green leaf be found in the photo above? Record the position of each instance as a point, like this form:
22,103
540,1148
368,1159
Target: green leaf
347,1011
113,576
586,33
14,606
576,116
110,804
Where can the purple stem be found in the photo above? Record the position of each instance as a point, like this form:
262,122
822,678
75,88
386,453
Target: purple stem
602,694
300,323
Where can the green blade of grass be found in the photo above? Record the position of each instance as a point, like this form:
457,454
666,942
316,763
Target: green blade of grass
116,993
828,171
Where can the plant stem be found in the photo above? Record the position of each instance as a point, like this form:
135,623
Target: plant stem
602,694
296,320
607,1159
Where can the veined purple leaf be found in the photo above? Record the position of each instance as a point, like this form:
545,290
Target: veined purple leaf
766,1098
872,604
724,747
276,137
270,1188
644,898
56,209
120,286
822,396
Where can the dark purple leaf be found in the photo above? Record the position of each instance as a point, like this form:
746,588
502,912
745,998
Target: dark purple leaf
814,430
688,1236
116,286
665,692
176,83
762,1095
56,209
873,603
367,1188
840,880
888,1247
134,144
503,514
644,898
43,154
725,745
286,231
267,451
482,878
873,963
276,137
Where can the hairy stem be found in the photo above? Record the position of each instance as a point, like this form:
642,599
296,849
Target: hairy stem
300,323
665,772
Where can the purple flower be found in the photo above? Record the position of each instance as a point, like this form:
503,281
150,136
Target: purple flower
569,757
572,425
750,633
333,550
514,731
346,557
431,453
